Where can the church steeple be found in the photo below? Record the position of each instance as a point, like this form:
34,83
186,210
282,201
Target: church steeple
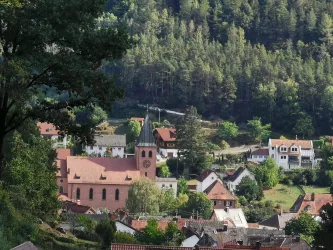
146,138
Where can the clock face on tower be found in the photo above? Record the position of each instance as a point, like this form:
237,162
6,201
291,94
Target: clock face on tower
146,163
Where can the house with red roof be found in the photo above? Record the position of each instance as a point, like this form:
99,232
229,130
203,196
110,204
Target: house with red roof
139,120
259,155
165,139
311,203
220,196
233,180
205,179
49,131
101,182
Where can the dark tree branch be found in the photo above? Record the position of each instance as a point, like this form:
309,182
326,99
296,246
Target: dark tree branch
34,79
18,124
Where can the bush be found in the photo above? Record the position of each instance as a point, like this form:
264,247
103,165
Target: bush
242,201
224,145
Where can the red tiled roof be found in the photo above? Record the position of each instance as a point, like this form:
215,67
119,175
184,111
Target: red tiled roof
47,128
261,151
253,225
62,197
99,170
76,208
217,191
204,175
289,143
314,206
62,153
167,134
139,119
61,161
162,224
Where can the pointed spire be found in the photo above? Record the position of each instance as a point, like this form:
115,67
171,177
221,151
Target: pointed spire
146,138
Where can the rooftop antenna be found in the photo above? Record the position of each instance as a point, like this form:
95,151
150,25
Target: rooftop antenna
296,137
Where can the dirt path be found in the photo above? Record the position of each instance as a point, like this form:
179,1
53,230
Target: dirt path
237,150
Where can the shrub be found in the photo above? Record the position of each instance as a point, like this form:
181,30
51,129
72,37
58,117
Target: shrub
224,145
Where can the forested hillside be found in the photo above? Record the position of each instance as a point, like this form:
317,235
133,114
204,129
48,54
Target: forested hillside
232,58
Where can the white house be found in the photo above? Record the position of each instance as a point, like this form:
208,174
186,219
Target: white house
49,131
122,227
292,154
236,215
233,180
167,183
205,179
259,155
115,143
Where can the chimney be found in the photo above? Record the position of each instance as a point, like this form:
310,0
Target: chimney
298,238
68,171
312,196
226,209
78,202
258,245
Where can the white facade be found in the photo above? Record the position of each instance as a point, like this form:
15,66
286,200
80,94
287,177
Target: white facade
58,140
166,151
191,241
167,183
121,227
236,215
101,150
292,156
257,158
203,185
232,185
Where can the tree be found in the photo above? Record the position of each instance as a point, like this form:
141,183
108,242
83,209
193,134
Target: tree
143,197
182,186
173,236
55,55
168,202
134,129
269,173
228,130
199,202
249,189
190,142
305,226
164,170
106,230
124,238
257,130
323,237
259,211
150,235
30,173
88,223
304,126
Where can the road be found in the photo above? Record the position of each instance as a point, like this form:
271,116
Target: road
237,150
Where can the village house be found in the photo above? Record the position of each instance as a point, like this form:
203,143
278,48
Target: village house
259,155
167,183
101,182
165,139
277,221
205,179
220,196
233,180
311,203
49,131
113,144
292,154
235,215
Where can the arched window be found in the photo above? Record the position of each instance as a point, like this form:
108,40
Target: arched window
78,194
104,194
91,194
150,154
143,153
117,195
61,189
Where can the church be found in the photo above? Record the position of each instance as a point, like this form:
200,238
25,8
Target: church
104,182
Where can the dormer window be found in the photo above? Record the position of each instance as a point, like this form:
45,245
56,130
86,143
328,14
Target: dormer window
294,149
283,149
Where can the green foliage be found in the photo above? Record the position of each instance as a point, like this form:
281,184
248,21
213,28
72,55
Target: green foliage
190,142
182,186
164,170
88,223
323,237
304,126
258,211
224,145
242,200
134,130
124,238
151,235
30,174
268,173
199,202
106,230
210,147
249,189
304,225
257,130
144,197
228,130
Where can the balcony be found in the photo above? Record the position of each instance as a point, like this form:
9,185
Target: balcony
306,164
296,162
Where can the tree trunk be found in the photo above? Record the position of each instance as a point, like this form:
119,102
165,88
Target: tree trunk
2,141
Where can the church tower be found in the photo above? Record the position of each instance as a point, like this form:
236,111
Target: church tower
145,151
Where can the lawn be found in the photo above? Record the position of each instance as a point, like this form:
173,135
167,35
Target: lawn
316,190
283,195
